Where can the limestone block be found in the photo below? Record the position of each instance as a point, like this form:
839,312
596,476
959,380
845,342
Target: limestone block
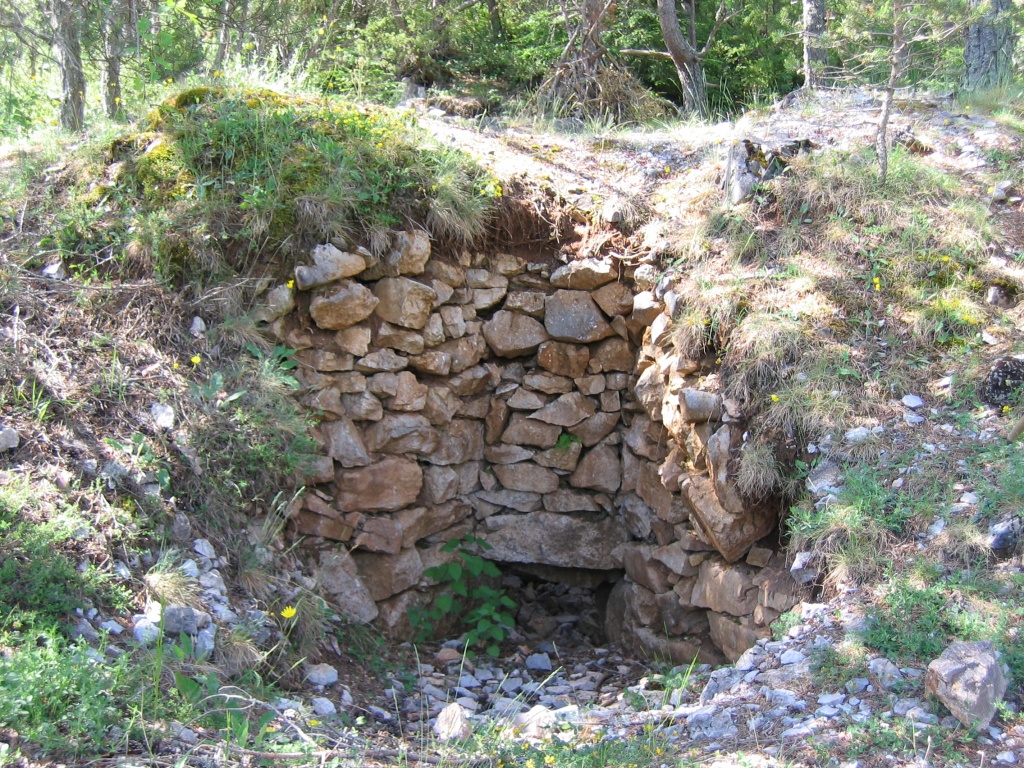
526,302
565,457
342,307
402,433
388,485
355,340
554,539
585,274
564,501
614,299
337,575
593,430
329,264
453,322
278,302
573,316
410,394
510,334
379,534
471,381
402,339
433,362
598,469
465,352
441,406
496,420
526,400
388,574
419,522
345,443
643,569
362,406
460,441
526,476
970,680
311,524
567,411
523,430
440,484
381,361
592,385
521,501
731,534
613,354
548,383
506,454
446,272
734,636
564,359
725,588
404,302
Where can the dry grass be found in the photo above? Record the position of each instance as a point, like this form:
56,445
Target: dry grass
760,473
169,585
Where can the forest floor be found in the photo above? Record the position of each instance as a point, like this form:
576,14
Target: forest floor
91,500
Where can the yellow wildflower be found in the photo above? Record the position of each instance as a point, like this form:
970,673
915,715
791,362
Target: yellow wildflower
176,366
314,723
288,612
196,359
775,398
1007,409
945,258
291,284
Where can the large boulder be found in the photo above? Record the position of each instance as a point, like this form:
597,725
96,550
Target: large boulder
553,539
969,679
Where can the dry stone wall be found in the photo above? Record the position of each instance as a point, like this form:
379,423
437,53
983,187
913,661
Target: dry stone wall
538,406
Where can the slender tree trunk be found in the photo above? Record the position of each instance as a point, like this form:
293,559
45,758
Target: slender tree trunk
223,36
815,55
243,22
115,22
65,18
398,16
592,38
988,47
497,28
685,57
897,66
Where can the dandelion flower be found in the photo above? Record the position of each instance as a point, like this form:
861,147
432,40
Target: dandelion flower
288,612
314,723
176,366
775,398
196,359
291,284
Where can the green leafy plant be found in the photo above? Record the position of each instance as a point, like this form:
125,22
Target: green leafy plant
487,618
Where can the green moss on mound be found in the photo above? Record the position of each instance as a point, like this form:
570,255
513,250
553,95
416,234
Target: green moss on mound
248,175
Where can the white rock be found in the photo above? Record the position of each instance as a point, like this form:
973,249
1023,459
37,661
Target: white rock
205,642
857,435
1006,757
112,627
163,415
912,401
791,657
198,327
452,724
322,707
321,674
204,548
913,418
145,631
9,439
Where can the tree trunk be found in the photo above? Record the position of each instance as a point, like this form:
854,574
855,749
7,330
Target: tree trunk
399,17
115,22
592,37
815,55
988,47
897,65
685,57
497,28
67,47
224,36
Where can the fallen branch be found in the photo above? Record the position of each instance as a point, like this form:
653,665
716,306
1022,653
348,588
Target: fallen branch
643,52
